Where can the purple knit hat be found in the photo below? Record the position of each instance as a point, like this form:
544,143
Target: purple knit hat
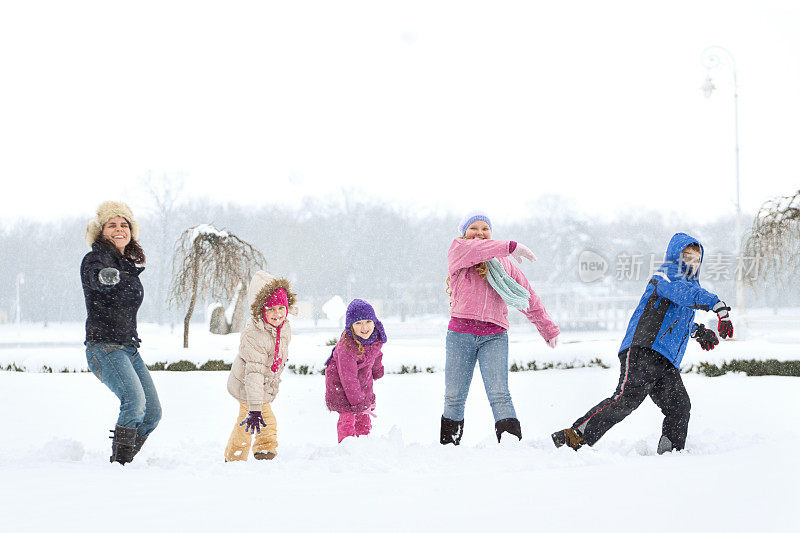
471,217
361,310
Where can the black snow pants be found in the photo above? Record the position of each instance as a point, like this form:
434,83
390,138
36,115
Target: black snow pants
643,372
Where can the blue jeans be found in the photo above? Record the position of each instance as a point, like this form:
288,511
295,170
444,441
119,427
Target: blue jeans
491,353
121,369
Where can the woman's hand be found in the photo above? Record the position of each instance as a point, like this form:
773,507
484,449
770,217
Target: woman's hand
553,342
523,252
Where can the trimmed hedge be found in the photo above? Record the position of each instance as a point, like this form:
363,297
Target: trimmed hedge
533,366
752,367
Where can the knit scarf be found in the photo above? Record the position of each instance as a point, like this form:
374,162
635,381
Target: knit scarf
514,294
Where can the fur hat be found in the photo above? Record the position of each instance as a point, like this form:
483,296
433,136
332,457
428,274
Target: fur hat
105,212
262,286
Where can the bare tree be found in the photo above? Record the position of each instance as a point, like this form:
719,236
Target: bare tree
775,239
210,263
165,194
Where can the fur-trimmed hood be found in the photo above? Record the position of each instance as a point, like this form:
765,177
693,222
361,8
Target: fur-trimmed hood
261,286
105,212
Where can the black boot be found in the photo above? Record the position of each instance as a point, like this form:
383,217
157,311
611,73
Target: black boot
124,444
451,431
508,425
137,447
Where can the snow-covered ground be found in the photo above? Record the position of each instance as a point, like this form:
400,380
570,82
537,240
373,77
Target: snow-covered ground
739,472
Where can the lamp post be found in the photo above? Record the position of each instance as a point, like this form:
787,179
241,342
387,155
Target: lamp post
712,57
19,281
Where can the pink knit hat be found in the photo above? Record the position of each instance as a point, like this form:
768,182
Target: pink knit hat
278,297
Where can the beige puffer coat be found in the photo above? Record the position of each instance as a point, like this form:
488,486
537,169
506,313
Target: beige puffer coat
251,380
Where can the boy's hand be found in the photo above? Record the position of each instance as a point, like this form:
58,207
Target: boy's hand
705,337
254,422
553,342
523,252
725,326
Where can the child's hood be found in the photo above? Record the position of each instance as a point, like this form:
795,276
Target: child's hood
262,286
674,265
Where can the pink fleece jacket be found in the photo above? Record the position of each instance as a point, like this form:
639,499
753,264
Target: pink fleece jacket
473,297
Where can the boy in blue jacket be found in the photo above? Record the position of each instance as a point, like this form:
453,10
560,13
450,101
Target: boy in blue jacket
651,352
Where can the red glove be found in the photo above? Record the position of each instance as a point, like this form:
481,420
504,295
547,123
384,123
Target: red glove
725,326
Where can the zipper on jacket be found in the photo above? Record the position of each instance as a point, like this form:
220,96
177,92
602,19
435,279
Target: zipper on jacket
668,329
686,334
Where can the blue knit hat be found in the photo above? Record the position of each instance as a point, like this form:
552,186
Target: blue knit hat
361,310
472,217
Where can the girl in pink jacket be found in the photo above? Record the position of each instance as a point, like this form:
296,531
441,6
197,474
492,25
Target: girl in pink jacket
482,282
351,369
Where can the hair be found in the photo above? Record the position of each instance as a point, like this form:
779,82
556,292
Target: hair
133,251
482,268
694,247
351,341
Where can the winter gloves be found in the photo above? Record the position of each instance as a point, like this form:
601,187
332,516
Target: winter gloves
523,252
108,276
725,326
254,422
707,339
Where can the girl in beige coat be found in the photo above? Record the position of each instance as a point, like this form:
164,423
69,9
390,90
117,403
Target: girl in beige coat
255,373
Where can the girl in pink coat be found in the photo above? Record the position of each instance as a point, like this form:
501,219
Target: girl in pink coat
483,282
351,369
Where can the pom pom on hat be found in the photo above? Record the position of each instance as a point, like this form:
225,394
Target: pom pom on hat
472,217
105,212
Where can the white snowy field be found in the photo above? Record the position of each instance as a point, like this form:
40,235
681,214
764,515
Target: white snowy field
738,473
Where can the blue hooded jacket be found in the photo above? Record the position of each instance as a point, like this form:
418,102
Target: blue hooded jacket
664,318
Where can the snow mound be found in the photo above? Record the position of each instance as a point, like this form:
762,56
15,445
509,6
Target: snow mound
63,450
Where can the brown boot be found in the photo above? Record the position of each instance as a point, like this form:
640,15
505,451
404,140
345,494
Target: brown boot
265,455
570,436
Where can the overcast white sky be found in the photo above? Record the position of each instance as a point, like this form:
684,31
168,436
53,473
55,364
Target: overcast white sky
436,105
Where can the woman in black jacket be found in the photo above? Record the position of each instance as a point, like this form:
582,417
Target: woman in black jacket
113,294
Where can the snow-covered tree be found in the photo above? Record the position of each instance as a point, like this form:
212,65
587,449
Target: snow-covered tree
210,264
775,240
